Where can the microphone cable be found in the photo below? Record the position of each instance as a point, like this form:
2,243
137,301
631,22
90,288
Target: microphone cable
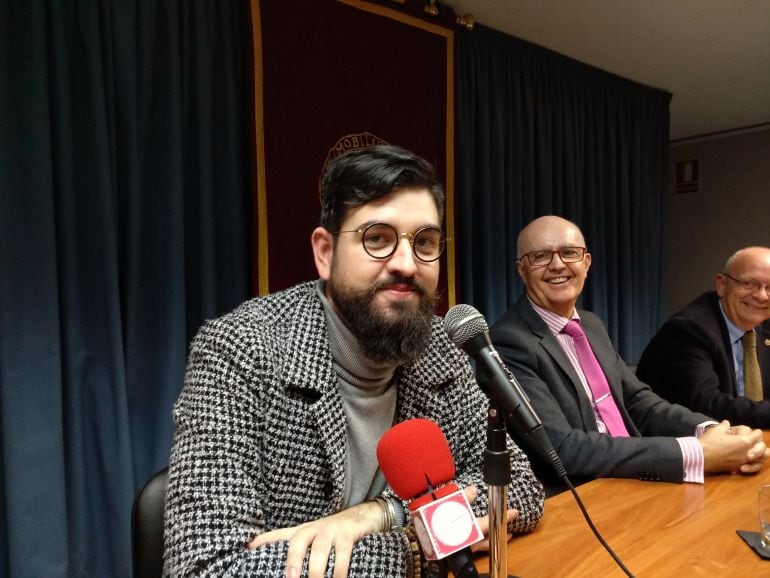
599,537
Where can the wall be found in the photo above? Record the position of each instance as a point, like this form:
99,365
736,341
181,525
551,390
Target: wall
730,210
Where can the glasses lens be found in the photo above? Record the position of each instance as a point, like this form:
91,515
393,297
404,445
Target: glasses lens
749,285
538,258
571,254
428,244
379,240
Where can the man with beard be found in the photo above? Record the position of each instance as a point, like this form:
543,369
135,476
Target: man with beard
273,471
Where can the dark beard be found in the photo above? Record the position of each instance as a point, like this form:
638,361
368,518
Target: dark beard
396,338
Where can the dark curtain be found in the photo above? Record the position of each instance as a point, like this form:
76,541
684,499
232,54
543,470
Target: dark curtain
125,186
539,133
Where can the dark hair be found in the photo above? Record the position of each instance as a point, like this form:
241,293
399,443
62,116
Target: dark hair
362,175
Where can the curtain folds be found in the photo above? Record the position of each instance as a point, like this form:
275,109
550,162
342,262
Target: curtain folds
125,221
125,199
539,133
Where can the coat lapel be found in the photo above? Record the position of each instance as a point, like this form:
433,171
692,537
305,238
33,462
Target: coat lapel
310,370
719,331
549,343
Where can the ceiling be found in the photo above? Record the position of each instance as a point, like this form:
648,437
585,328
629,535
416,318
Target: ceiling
712,55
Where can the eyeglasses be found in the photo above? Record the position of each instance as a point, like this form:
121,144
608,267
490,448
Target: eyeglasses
380,241
749,284
543,257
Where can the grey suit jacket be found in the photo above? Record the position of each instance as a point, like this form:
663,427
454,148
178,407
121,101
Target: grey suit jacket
557,395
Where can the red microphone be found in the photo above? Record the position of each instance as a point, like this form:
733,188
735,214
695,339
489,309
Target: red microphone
415,458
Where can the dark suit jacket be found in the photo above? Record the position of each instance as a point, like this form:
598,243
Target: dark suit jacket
557,395
689,361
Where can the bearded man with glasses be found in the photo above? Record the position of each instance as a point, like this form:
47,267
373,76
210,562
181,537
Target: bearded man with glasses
713,356
602,421
274,470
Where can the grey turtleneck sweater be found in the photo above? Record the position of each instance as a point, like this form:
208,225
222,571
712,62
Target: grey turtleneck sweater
369,402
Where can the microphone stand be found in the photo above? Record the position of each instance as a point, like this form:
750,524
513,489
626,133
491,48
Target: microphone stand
497,475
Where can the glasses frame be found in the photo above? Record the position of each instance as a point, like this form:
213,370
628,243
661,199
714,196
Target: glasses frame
557,251
411,236
752,286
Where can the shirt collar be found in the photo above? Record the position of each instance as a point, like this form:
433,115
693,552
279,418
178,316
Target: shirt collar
733,330
554,321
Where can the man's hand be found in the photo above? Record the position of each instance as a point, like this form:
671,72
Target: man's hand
733,449
339,531
483,546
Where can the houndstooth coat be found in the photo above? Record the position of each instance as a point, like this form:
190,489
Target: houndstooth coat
260,440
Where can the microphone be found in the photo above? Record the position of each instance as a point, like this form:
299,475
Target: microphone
415,459
468,329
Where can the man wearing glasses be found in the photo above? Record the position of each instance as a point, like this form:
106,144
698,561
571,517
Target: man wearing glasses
602,421
713,356
273,470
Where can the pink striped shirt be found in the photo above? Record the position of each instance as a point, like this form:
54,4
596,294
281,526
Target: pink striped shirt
692,451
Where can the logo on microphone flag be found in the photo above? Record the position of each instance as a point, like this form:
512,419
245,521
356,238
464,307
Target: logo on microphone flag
446,525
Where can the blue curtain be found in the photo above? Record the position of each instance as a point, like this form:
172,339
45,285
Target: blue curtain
125,206
539,133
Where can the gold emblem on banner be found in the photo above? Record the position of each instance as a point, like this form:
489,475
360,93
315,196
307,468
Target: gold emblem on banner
767,342
349,142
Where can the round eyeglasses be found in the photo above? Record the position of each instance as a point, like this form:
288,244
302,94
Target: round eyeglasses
543,257
380,241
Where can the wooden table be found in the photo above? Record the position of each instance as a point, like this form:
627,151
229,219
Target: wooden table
657,529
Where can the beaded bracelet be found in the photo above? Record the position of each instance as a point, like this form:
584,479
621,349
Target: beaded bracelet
414,546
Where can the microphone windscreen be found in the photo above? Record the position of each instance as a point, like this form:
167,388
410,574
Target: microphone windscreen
464,322
414,455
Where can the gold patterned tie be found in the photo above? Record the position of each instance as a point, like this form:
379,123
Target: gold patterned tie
752,379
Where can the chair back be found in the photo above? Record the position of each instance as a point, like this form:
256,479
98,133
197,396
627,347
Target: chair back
147,527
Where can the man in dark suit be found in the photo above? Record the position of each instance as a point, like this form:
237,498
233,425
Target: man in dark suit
648,437
697,357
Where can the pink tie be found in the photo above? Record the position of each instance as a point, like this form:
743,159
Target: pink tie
603,400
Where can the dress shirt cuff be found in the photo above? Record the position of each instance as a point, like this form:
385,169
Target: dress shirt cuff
692,459
702,427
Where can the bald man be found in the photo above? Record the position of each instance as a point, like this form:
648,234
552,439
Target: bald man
623,430
697,357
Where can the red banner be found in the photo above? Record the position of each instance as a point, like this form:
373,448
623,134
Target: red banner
330,76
